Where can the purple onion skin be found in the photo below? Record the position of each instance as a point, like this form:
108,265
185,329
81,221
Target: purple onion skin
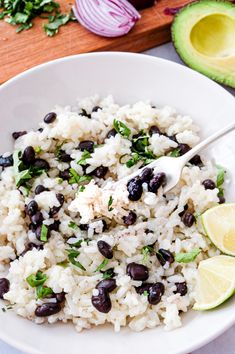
142,4
171,11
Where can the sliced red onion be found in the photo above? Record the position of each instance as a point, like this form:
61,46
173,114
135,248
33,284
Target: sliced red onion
171,11
108,18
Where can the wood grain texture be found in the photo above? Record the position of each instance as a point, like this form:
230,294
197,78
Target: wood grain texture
19,52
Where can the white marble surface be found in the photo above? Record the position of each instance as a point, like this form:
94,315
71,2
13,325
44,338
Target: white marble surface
226,342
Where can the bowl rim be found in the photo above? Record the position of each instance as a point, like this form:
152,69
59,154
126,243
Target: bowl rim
25,347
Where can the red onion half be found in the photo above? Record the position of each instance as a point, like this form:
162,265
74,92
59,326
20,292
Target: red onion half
108,18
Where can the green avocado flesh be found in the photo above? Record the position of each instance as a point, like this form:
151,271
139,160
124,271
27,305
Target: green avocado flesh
203,34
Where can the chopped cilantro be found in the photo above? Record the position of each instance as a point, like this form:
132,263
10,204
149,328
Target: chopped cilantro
135,158
81,189
141,142
38,149
145,293
187,257
75,178
102,265
220,176
43,291
21,13
175,153
86,155
73,225
121,128
146,252
60,180
72,255
44,233
110,203
37,279
63,264
108,274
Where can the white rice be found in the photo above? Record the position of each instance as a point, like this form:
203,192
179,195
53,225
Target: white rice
155,212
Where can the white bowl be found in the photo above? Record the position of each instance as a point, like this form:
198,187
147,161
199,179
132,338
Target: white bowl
129,77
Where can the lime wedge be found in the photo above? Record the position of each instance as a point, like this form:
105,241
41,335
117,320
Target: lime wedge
219,225
215,283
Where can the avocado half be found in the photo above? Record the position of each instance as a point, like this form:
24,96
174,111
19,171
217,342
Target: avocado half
203,34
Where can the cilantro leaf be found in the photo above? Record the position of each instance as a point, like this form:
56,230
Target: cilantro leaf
121,128
102,265
187,257
52,27
146,252
175,153
73,225
72,255
75,178
110,203
44,233
135,158
43,291
86,155
220,176
37,279
108,274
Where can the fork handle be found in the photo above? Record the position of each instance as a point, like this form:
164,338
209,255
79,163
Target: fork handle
186,157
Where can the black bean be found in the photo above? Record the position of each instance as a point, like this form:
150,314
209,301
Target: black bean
4,286
6,161
84,113
172,137
87,145
56,209
146,175
32,227
137,271
16,135
40,188
60,297
196,160
31,208
105,249
40,130
154,130
41,164
65,175
55,226
111,133
104,227
209,184
221,199
182,212
181,288
47,309
37,218
107,284
28,155
130,219
96,108
148,231
188,219
84,227
102,301
155,293
142,288
60,198
50,117
183,148
64,157
164,256
100,171
135,189
31,246
156,182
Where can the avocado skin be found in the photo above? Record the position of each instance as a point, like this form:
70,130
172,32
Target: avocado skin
220,75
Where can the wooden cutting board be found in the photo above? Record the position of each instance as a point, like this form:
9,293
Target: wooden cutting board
19,52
